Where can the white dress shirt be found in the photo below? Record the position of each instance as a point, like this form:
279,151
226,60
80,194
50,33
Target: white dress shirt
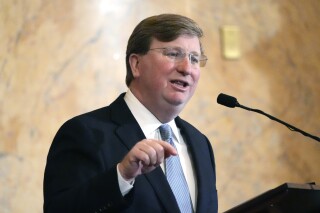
149,125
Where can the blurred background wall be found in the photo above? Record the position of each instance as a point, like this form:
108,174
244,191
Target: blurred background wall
62,58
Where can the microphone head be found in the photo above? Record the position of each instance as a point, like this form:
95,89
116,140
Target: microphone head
227,100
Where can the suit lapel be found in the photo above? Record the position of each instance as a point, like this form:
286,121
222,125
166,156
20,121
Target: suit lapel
161,186
198,150
129,133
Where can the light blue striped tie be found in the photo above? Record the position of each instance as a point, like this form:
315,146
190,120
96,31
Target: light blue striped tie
175,175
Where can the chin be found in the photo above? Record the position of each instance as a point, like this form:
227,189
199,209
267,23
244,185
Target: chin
179,101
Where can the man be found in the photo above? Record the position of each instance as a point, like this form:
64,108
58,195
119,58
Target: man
115,159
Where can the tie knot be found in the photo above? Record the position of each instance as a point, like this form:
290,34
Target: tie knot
165,132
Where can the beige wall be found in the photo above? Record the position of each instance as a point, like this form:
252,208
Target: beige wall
62,58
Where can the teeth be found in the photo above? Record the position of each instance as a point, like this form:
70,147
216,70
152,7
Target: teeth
180,83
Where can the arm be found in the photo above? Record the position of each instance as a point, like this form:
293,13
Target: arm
81,176
76,177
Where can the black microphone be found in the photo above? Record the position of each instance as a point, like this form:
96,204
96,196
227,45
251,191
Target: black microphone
229,101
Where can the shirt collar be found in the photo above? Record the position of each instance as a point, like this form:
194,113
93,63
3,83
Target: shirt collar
146,120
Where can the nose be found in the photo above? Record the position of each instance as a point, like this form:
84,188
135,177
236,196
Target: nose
185,66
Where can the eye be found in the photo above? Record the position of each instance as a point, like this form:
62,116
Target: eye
172,53
194,59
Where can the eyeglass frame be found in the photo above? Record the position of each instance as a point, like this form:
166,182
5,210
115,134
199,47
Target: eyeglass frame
201,61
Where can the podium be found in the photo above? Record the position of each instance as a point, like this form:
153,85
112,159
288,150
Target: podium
286,198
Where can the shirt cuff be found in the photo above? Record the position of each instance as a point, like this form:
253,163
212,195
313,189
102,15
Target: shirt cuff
124,185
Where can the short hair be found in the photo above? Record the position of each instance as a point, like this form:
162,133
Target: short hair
165,28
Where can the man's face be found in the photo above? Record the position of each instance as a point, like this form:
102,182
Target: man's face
161,83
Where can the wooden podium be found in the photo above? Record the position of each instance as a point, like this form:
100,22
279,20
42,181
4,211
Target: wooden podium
286,198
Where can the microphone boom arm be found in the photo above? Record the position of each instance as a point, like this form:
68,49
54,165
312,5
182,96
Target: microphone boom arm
292,128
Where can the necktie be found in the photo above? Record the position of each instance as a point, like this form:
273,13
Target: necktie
175,174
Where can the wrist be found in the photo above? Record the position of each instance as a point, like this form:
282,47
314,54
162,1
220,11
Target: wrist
121,172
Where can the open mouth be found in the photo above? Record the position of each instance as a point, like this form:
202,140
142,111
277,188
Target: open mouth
180,83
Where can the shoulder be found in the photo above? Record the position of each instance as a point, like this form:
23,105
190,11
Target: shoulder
186,126
90,118
100,116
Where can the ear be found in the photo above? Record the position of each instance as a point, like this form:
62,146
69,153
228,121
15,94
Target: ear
134,64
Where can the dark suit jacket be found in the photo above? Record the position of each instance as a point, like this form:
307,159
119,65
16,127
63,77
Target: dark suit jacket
81,176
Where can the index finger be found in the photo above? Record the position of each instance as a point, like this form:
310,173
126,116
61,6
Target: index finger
167,148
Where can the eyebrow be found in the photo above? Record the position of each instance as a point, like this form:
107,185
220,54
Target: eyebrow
192,52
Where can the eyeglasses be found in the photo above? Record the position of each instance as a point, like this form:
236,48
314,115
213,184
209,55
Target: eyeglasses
177,54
